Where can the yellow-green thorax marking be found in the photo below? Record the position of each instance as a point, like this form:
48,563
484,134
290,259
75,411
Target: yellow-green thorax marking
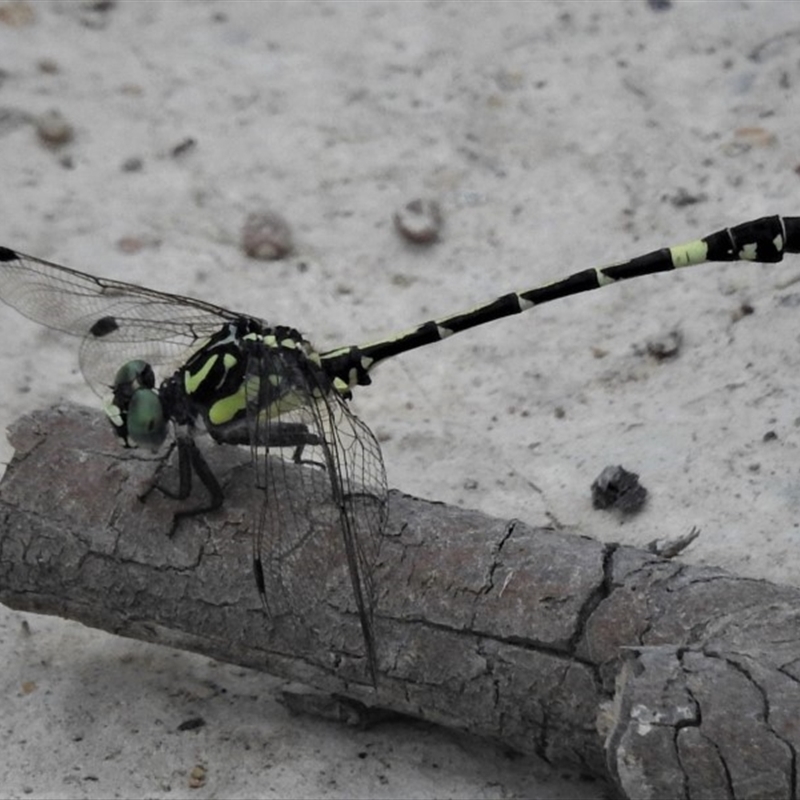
273,370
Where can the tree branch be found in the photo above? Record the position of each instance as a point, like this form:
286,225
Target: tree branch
674,681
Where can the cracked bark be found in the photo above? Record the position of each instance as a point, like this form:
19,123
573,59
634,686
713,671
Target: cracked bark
671,680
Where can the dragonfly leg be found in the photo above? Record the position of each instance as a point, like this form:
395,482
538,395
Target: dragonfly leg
190,460
297,456
276,434
184,474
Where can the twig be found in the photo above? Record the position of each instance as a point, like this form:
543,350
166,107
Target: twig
675,681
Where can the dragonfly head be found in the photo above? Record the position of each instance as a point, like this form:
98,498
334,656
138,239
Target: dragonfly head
136,411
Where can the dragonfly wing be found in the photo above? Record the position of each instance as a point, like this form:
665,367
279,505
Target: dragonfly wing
324,499
118,321
165,344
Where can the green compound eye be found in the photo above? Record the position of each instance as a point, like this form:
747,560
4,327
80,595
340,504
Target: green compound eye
146,424
134,375
136,411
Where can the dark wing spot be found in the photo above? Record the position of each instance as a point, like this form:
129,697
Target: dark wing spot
7,255
103,327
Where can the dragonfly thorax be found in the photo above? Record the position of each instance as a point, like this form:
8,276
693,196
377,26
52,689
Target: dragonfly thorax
246,367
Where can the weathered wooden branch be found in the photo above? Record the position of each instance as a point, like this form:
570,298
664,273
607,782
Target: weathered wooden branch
675,681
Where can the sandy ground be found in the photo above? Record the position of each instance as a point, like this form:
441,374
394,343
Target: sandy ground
555,136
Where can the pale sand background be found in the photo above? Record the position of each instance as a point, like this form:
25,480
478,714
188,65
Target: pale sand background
555,135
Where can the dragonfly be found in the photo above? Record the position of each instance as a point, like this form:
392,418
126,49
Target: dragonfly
173,366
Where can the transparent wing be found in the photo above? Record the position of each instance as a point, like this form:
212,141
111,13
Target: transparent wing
323,508
117,321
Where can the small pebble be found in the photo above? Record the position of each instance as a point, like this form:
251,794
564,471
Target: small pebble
745,139
53,130
192,724
615,487
183,147
266,236
755,136
682,198
197,777
47,66
17,14
132,164
135,244
667,346
744,310
94,13
130,244
419,221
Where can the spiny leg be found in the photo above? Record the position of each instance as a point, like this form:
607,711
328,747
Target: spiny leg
190,460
